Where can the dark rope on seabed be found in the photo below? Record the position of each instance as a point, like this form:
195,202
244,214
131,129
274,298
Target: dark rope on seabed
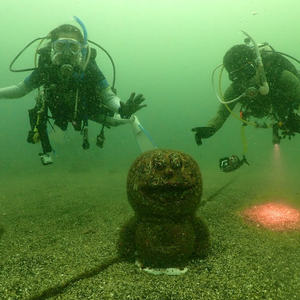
1,231
59,289
217,192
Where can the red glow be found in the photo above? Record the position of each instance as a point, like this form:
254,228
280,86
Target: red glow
274,216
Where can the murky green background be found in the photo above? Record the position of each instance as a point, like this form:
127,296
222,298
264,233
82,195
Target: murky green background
165,49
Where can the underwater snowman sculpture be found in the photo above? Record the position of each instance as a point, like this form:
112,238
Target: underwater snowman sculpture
164,187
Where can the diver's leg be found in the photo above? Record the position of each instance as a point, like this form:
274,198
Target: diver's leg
45,142
38,117
44,138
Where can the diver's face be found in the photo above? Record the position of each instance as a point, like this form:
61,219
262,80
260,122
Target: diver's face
66,50
243,73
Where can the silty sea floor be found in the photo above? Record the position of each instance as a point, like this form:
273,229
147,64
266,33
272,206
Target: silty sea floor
60,236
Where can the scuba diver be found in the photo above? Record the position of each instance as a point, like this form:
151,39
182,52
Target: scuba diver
71,87
265,84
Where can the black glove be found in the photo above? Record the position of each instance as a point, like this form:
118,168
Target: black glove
132,105
203,133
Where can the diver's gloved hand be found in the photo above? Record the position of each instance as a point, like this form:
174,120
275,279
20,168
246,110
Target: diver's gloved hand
132,105
203,133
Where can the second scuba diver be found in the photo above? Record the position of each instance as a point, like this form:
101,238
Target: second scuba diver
267,87
70,86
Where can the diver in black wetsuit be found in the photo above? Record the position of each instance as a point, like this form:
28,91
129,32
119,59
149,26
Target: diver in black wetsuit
72,88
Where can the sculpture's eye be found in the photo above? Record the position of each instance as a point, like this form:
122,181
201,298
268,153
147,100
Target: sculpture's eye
175,161
158,161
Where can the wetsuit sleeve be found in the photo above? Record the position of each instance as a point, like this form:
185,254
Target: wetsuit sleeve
223,113
289,83
108,97
31,82
14,91
98,76
34,80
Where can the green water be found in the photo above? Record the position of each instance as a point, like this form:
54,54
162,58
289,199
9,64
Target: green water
165,49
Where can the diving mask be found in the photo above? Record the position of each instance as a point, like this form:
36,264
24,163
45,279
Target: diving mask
67,45
245,72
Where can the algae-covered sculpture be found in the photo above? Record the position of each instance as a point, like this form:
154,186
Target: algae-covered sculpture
164,188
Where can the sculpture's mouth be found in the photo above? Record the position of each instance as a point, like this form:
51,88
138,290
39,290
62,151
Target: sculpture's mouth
166,192
171,188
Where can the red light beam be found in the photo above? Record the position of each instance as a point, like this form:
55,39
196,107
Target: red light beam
274,216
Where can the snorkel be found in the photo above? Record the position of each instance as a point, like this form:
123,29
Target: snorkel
264,86
85,36
85,48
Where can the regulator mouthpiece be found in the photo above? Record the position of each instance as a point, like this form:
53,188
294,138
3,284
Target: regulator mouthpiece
66,70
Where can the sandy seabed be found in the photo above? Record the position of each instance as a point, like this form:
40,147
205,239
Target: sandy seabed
61,231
